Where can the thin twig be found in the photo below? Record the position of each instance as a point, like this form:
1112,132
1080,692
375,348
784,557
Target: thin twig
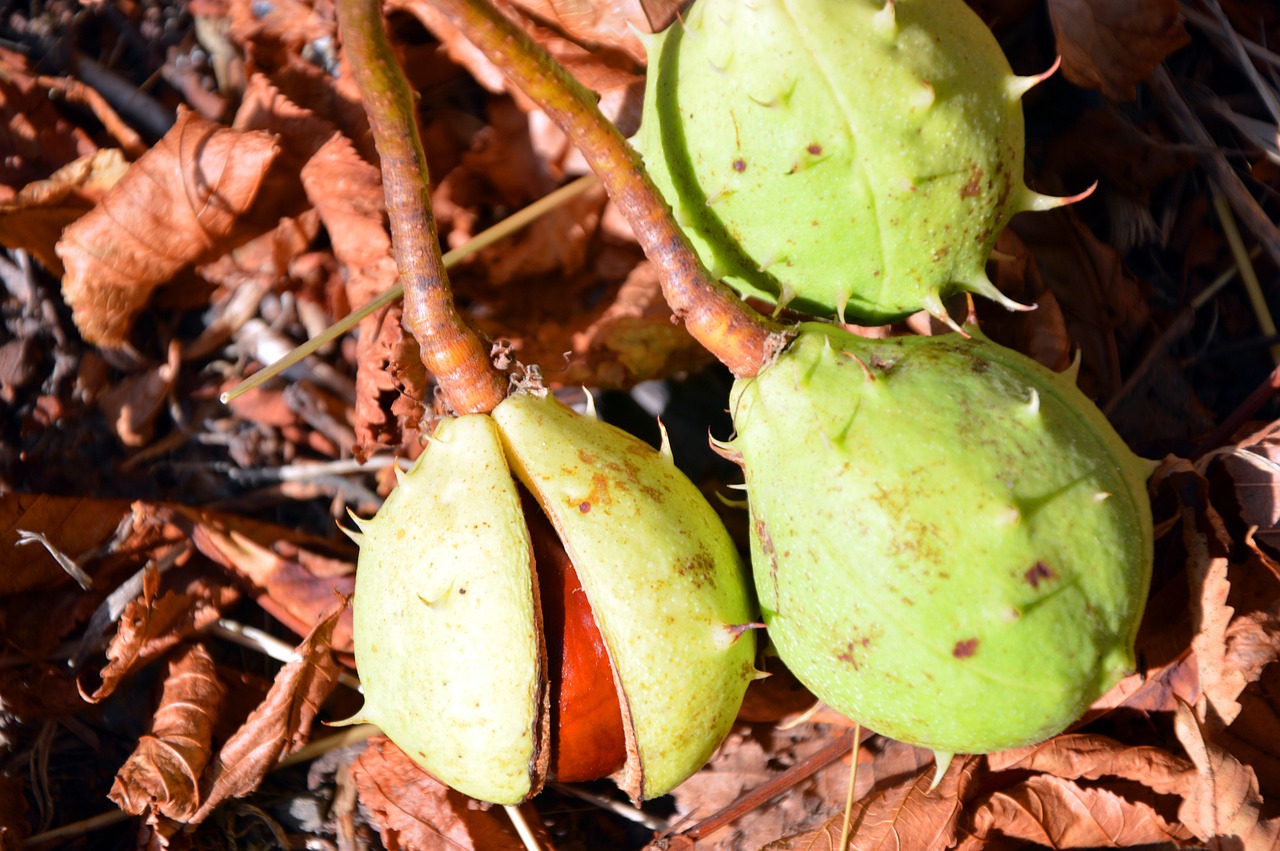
617,808
1224,177
1181,325
741,338
758,797
1248,274
522,828
267,644
847,824
454,353
1241,415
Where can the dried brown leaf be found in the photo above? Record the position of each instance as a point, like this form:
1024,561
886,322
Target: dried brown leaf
279,726
152,624
347,192
905,815
1039,333
1254,738
299,130
1223,806
289,589
163,773
34,219
1097,296
38,692
75,526
612,72
1058,813
413,810
756,759
1206,542
634,339
131,407
608,23
177,205
47,603
1113,45
1082,755
1254,470
36,137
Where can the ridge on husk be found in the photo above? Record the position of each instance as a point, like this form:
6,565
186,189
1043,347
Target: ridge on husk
950,543
848,158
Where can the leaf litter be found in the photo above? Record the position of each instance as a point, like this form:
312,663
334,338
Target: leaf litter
175,220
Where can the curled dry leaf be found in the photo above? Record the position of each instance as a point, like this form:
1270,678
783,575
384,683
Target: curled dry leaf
279,726
1254,738
1080,755
34,219
175,206
1224,806
1223,674
162,775
152,624
131,407
1113,45
412,810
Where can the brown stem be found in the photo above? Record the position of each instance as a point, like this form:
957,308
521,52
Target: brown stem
741,338
450,350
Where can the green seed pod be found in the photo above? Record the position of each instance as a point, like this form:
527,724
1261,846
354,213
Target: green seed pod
445,624
448,632
852,158
951,545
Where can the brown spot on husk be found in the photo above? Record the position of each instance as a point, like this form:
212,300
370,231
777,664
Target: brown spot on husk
965,649
699,569
1038,572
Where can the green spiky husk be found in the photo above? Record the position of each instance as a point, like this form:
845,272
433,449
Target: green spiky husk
833,156
951,545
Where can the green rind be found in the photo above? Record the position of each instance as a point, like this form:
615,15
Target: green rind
664,580
933,552
826,152
444,621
